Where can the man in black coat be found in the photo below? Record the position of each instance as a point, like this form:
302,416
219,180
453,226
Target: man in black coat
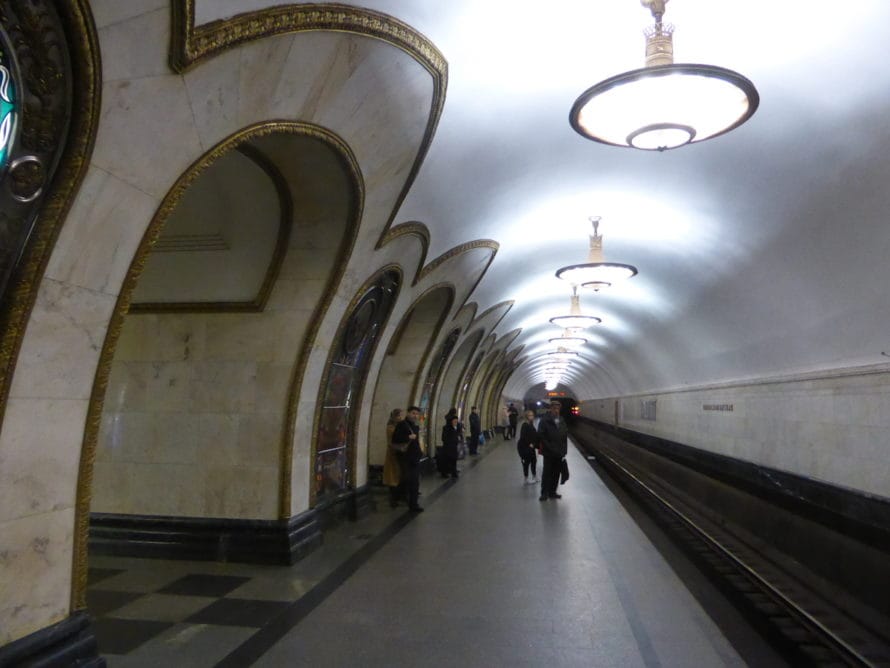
407,433
475,431
554,437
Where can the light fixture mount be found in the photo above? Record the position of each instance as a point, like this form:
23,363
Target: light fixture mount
664,105
596,273
575,321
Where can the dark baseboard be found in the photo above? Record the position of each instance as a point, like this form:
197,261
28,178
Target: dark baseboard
205,539
282,542
68,643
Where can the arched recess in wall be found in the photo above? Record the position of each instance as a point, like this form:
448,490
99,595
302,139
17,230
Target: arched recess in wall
464,389
192,391
447,395
430,386
480,399
398,382
334,448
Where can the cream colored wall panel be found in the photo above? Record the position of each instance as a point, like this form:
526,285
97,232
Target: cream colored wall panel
37,457
108,12
243,492
214,89
147,135
136,48
61,346
36,574
226,387
87,254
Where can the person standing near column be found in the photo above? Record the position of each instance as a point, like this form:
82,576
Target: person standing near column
407,434
554,437
475,431
527,446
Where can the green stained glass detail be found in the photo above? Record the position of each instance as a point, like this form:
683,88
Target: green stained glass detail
8,104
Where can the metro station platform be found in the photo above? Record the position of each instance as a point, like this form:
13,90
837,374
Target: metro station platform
487,576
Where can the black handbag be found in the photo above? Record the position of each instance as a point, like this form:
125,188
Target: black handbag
563,472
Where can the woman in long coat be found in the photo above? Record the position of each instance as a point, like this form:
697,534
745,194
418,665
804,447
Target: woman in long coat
527,445
392,472
450,440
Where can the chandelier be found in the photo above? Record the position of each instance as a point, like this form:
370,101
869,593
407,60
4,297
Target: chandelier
575,320
568,341
664,105
596,273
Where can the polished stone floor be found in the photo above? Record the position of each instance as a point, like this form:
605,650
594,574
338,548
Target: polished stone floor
487,576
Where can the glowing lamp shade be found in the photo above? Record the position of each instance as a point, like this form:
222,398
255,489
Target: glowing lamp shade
570,342
596,275
562,355
575,322
664,106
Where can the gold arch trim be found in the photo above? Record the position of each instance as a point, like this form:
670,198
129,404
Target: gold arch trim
106,358
191,44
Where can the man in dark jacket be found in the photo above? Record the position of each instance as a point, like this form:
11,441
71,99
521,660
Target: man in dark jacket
475,431
554,437
407,434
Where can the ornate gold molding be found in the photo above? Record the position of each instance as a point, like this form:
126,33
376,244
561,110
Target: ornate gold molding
192,44
460,250
285,225
83,121
106,357
413,228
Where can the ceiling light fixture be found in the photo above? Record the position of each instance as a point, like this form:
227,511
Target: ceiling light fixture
664,105
575,321
568,341
596,273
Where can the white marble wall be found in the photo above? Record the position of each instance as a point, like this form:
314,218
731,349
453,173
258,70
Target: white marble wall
375,97
831,427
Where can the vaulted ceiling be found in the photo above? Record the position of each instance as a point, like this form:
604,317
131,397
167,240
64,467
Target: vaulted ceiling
760,252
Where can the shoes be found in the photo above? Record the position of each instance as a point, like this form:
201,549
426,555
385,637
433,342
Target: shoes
556,496
542,498
534,480
416,509
526,480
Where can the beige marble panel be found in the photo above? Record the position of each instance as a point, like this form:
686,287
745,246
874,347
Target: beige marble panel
38,456
85,253
293,294
222,387
137,47
247,492
149,489
136,134
148,386
216,439
35,572
61,347
261,337
259,440
108,12
273,383
214,90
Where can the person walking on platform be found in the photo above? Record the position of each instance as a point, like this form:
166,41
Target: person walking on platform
450,442
392,471
512,421
406,438
527,445
554,436
475,431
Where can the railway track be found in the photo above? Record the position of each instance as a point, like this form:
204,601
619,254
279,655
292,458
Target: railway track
804,625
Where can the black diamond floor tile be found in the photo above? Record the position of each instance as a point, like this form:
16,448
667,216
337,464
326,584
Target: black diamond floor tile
95,575
204,585
239,612
101,602
121,636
